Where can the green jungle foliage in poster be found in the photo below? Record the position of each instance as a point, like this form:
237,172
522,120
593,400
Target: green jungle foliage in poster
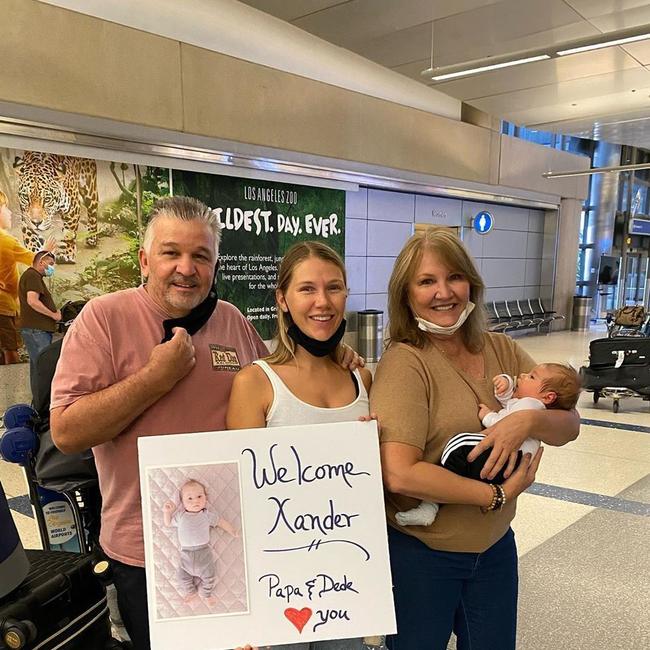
261,221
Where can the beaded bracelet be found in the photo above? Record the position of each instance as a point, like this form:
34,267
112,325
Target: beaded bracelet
498,498
496,495
502,497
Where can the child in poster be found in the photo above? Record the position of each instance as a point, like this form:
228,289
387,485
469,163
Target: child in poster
197,567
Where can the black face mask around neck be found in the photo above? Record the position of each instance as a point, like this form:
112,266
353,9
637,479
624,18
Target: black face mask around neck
198,317
313,346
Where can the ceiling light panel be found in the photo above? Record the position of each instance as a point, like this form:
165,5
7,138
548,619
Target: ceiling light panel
541,73
486,68
598,46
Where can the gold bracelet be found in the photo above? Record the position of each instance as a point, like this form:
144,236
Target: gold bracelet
495,499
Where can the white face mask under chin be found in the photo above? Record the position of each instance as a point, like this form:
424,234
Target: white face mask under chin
432,328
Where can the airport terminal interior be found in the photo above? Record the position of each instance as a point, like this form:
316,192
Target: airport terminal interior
523,127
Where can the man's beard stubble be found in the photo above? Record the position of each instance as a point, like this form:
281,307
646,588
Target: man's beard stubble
179,301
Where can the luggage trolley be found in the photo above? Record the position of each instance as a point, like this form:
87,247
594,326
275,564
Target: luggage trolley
62,489
619,368
62,603
628,321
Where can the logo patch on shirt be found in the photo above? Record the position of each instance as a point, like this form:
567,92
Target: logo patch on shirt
224,358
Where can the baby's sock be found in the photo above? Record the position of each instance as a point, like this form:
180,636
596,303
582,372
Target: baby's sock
423,515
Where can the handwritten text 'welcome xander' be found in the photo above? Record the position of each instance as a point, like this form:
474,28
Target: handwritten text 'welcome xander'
300,473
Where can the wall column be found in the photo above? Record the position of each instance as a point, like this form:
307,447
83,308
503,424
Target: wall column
566,259
604,198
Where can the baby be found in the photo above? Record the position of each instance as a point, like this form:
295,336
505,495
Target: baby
197,565
548,385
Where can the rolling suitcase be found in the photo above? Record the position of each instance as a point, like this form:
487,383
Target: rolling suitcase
60,605
618,363
621,352
618,367
635,379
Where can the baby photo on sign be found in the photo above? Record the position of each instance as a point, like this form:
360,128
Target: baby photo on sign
198,550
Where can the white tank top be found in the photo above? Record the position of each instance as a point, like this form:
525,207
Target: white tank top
287,409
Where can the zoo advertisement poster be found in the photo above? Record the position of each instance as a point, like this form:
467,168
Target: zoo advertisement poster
306,558
96,213
261,221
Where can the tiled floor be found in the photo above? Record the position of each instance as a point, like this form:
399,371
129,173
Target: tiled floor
583,530
14,385
585,566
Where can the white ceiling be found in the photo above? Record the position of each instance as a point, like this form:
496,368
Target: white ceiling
603,94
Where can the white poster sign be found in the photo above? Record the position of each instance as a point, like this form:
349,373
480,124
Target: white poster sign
265,536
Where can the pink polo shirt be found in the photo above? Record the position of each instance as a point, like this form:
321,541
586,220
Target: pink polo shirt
110,340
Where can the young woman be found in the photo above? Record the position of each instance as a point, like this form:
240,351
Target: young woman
302,382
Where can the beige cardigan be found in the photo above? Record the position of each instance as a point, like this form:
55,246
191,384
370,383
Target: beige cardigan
421,399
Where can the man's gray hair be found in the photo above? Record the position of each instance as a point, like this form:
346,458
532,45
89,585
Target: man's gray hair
184,208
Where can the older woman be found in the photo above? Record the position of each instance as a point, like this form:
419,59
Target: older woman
459,573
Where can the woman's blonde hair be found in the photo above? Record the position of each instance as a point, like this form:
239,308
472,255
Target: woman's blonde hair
3,198
286,348
444,243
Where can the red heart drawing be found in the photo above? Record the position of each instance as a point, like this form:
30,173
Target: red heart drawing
298,617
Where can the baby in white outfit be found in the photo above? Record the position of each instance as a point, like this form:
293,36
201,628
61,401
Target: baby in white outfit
548,385
197,566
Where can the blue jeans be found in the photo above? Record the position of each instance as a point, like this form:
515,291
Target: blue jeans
131,586
437,592
35,342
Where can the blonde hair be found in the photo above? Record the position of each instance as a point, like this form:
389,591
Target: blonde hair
192,482
3,199
565,383
285,349
444,243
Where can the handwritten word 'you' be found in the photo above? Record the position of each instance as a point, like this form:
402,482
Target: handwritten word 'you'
296,471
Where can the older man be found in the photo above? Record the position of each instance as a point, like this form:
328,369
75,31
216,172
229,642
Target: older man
117,381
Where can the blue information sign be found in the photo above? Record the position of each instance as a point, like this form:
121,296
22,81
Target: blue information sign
639,226
483,222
